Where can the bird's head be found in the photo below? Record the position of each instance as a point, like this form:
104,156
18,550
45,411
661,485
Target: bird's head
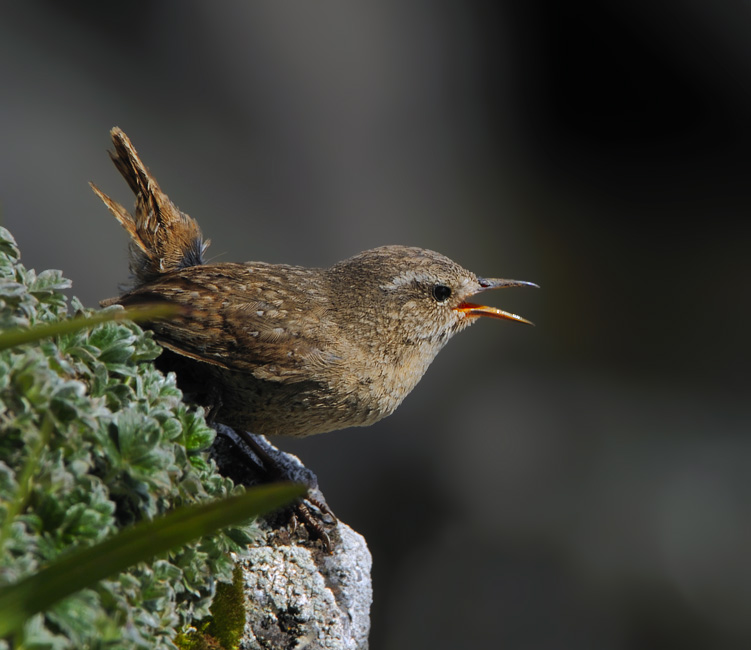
413,295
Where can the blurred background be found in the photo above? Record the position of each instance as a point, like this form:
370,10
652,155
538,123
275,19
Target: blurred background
584,484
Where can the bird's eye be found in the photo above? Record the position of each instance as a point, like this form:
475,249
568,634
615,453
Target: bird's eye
441,292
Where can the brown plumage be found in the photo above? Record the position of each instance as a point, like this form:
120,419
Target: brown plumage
280,349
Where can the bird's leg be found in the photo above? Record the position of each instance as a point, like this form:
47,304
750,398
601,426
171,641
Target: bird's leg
267,469
277,472
270,469
214,405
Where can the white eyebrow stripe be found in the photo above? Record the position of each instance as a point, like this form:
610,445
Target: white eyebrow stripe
407,277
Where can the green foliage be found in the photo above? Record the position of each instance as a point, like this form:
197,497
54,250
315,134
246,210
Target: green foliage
93,439
84,567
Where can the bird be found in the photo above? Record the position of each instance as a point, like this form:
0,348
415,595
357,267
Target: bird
278,349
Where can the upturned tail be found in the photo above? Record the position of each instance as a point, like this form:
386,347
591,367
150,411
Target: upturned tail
162,238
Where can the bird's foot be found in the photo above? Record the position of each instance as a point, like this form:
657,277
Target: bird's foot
261,462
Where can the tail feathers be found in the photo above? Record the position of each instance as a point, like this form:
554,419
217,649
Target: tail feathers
162,239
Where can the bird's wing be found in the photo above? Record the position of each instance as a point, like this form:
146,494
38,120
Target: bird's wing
269,323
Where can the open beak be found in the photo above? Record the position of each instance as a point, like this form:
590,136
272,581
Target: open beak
471,309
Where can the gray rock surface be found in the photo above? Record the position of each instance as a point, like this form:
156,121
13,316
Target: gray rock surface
299,595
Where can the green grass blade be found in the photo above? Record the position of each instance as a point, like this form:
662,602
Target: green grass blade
14,337
85,567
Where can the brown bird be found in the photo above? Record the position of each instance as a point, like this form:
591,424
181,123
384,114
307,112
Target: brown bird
277,349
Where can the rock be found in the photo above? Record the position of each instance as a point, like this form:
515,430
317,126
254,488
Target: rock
298,594
300,597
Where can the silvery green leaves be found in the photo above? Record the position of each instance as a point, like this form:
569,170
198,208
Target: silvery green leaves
92,439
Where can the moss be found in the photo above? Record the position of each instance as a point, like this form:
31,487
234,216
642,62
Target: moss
228,611
197,639
224,628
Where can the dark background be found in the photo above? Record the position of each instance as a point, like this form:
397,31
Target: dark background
584,484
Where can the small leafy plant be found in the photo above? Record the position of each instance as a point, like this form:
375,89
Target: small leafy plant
94,439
